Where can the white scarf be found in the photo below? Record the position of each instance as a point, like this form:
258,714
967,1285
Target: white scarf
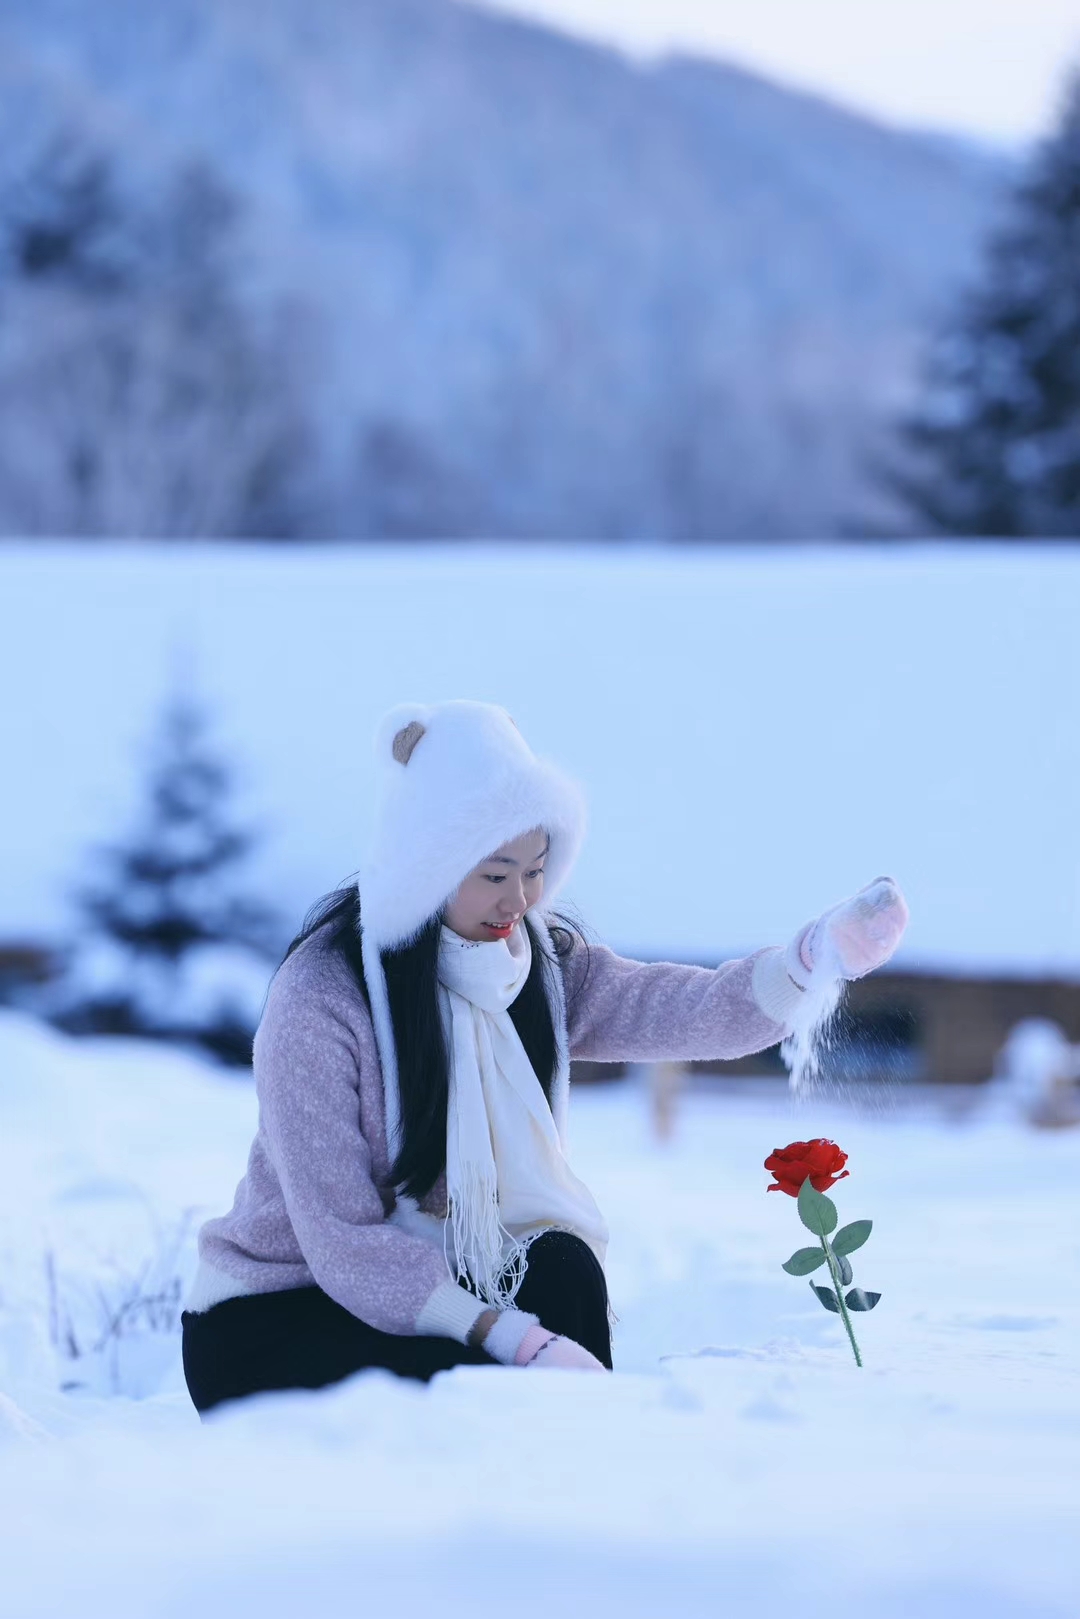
506,1175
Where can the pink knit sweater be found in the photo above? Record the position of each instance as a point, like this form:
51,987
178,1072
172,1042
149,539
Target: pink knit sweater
314,1201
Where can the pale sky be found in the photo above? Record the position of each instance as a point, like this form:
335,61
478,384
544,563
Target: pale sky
989,68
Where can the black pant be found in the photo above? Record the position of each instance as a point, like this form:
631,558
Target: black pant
302,1338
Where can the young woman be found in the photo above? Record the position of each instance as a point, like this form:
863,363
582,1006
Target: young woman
407,1202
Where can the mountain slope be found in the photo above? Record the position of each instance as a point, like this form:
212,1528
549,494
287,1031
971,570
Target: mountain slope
553,292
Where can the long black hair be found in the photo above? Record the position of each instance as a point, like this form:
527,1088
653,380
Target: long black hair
411,983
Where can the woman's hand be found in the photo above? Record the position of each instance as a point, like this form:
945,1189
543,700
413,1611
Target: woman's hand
547,1350
853,937
847,941
517,1339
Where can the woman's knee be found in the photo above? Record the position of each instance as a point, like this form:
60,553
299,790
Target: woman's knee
567,1251
558,1261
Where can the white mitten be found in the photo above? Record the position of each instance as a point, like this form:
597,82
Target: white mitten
847,941
854,937
511,1329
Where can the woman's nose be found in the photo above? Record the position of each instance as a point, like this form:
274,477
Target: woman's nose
512,903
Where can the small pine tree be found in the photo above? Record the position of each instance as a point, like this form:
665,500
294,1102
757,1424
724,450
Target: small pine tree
170,947
995,448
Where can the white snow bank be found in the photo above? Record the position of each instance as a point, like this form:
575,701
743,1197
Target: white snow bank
736,1463
760,731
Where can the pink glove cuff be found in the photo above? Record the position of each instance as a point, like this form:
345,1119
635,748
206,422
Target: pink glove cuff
804,944
535,1339
565,1355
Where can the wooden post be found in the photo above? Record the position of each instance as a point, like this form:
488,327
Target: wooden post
665,1087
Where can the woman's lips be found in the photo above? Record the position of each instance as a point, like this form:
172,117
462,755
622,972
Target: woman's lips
502,929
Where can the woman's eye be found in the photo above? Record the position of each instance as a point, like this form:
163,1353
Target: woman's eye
492,879
539,872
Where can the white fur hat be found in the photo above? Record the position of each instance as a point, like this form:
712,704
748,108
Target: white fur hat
454,781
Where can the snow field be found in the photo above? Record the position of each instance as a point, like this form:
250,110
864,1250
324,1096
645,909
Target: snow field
738,1460
759,731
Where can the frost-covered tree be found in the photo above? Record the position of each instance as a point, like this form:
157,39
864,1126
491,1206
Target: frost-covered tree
170,946
62,221
995,447
139,396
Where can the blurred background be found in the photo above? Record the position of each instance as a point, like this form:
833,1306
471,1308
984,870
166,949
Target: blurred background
701,383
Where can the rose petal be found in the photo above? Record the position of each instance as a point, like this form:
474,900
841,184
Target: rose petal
825,1158
821,1183
820,1161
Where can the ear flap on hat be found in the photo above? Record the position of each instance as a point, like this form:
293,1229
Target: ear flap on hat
397,734
405,741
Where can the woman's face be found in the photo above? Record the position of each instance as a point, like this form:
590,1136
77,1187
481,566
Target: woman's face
496,894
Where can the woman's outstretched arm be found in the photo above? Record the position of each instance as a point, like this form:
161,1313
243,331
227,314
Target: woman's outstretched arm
620,1010
625,1011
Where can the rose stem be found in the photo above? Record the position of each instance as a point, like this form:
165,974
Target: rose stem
835,1274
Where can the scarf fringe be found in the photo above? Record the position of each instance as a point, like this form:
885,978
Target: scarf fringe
476,1234
502,1292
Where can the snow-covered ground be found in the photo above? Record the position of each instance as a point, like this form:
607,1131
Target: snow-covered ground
738,1463
758,731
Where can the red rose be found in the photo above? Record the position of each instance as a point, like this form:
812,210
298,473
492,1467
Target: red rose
819,1161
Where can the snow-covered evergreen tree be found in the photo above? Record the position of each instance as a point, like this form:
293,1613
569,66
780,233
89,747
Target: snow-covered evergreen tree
995,448
170,946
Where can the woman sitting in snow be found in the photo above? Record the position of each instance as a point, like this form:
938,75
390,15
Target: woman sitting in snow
407,1202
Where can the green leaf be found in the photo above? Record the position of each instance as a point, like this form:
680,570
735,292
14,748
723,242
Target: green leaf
844,1268
804,1260
857,1299
850,1237
828,1297
816,1211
